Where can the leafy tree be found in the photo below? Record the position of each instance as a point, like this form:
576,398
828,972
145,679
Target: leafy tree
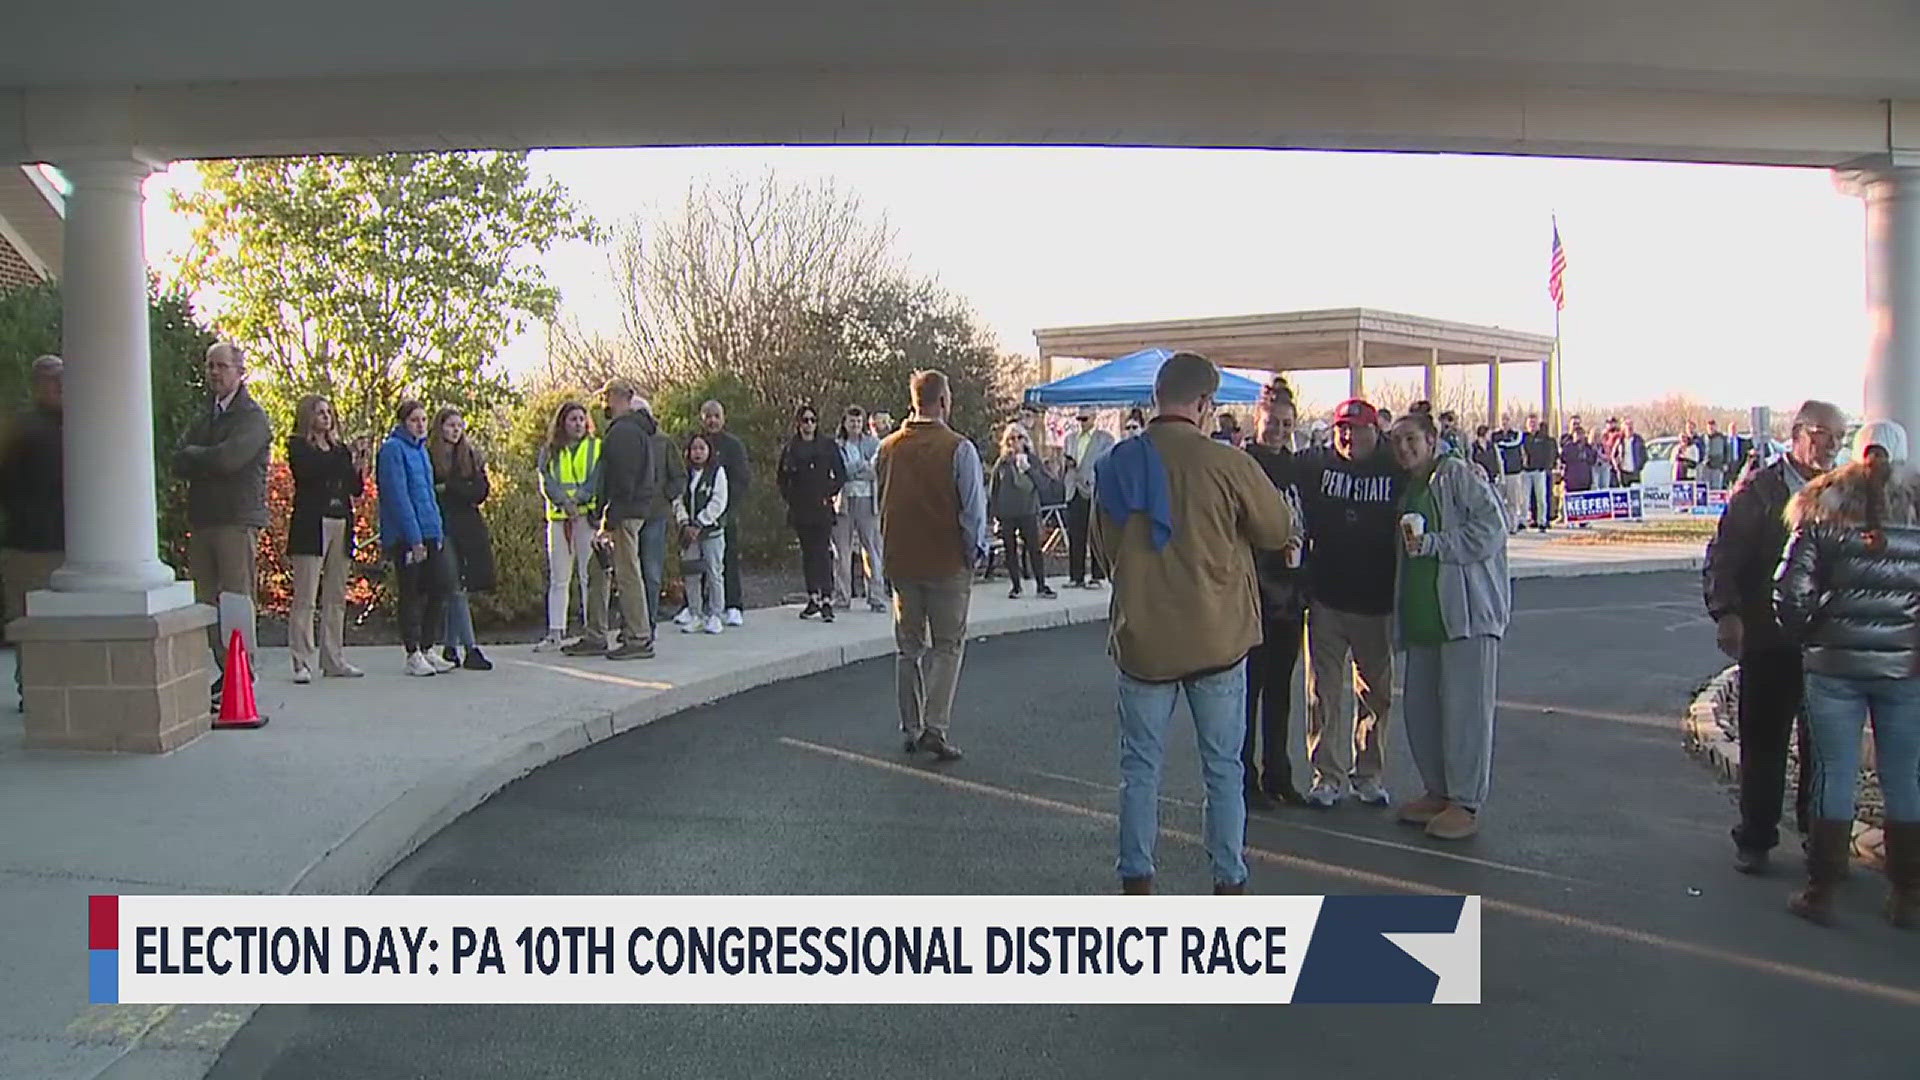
373,278
30,324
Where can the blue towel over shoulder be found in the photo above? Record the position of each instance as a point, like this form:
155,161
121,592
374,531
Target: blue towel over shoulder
1130,480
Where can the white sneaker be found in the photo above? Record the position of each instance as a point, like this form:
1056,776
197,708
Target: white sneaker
302,674
418,664
1369,790
684,618
1325,796
550,643
439,663
713,624
734,618
689,625
347,671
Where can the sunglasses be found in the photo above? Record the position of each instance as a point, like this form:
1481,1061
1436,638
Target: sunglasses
809,419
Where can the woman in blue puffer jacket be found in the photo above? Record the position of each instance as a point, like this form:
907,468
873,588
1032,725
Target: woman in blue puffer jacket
413,537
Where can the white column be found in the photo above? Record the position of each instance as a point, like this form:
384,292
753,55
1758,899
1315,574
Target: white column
112,561
1433,378
1356,367
1892,195
1493,392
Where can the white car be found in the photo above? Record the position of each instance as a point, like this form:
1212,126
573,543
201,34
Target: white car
1659,470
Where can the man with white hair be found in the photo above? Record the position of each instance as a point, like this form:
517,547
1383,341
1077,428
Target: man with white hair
223,459
1738,579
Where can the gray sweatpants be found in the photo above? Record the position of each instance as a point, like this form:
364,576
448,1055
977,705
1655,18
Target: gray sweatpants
1447,708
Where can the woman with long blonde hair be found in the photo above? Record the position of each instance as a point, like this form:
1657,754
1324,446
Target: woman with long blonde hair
327,476
1013,498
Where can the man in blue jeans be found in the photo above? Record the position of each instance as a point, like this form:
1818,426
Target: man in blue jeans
1178,520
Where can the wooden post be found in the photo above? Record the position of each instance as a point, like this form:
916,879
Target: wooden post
1493,393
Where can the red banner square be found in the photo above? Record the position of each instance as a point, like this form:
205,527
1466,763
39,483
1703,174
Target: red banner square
103,922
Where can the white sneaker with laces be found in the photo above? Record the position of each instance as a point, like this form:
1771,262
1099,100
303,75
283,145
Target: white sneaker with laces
1369,790
684,618
547,644
439,663
735,618
1325,796
302,674
347,671
690,626
418,664
713,624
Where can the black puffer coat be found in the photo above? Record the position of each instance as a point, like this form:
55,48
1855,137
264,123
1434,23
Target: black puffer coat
1848,588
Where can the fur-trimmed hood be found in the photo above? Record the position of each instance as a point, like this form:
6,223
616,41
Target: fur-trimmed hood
1839,498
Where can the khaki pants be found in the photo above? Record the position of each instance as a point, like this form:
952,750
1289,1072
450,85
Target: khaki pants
322,577
1342,647
570,557
223,558
927,674
23,572
1514,487
632,581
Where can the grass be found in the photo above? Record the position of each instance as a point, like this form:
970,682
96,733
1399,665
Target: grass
1658,531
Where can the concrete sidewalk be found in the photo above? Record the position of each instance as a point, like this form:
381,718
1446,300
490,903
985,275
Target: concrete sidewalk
348,778
1530,555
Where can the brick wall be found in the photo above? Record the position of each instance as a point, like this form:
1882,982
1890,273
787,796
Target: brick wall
14,268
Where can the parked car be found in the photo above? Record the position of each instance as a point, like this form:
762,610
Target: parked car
1659,470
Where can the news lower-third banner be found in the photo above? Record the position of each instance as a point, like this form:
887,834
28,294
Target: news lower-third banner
1038,950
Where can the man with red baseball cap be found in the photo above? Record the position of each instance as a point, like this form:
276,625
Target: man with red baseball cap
1349,493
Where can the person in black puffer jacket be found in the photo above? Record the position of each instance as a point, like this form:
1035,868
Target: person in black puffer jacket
1848,592
1283,610
810,475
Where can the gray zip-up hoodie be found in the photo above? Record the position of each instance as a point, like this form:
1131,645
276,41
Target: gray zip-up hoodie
1476,593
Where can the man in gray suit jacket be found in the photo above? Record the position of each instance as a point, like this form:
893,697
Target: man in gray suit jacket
1082,453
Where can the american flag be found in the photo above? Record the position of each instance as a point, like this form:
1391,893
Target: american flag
1557,272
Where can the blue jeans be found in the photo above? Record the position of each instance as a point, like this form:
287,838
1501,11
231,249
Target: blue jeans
459,622
1218,703
653,563
1835,709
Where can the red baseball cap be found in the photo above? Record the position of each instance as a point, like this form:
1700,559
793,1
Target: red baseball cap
1355,411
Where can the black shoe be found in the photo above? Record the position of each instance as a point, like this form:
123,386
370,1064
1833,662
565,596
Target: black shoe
812,609
1750,860
1076,584
939,747
591,645
477,661
1046,594
451,655
1260,800
826,613
1015,594
1286,794
642,650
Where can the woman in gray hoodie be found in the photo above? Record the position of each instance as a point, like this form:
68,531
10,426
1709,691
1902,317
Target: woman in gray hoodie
1452,600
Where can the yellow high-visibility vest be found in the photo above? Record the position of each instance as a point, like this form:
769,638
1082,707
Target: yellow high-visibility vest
572,467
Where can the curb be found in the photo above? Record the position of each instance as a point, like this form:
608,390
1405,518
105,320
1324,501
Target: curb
1637,566
398,829
1707,739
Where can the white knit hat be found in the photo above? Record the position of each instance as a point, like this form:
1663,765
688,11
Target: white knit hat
1887,435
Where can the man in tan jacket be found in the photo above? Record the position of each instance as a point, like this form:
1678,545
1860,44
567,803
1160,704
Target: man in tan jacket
1178,520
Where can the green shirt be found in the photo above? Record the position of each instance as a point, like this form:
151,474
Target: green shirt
1420,622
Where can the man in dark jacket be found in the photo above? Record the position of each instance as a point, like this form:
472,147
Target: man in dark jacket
32,474
1283,608
1349,493
223,458
1512,447
629,492
667,480
1741,560
1541,454
733,458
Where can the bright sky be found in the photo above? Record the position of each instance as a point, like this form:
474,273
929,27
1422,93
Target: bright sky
1738,286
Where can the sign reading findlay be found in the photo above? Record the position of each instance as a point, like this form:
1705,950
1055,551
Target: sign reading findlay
778,950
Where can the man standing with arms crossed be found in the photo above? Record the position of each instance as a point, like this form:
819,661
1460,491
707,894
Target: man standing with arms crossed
933,532
1084,450
1179,520
1738,579
223,459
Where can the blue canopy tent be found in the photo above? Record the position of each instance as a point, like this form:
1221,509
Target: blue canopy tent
1128,380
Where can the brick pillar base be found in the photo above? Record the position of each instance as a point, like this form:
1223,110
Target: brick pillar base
136,683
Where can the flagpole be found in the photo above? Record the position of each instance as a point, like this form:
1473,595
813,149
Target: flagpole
1559,374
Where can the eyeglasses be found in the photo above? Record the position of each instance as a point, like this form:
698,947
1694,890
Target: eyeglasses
809,419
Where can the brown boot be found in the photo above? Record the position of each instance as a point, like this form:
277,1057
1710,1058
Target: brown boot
1903,873
1829,845
1238,889
1136,886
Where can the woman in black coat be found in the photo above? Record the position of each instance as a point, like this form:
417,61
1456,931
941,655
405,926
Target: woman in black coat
327,477
811,474
460,485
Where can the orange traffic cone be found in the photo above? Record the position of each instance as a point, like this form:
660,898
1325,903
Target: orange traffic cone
237,709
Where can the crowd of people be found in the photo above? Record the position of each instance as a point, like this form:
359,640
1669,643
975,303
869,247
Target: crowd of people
1230,553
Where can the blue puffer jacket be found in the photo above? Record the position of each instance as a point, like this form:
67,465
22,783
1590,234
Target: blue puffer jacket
409,513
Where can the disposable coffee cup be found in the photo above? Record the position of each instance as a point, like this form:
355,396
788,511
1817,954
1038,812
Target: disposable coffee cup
1412,527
